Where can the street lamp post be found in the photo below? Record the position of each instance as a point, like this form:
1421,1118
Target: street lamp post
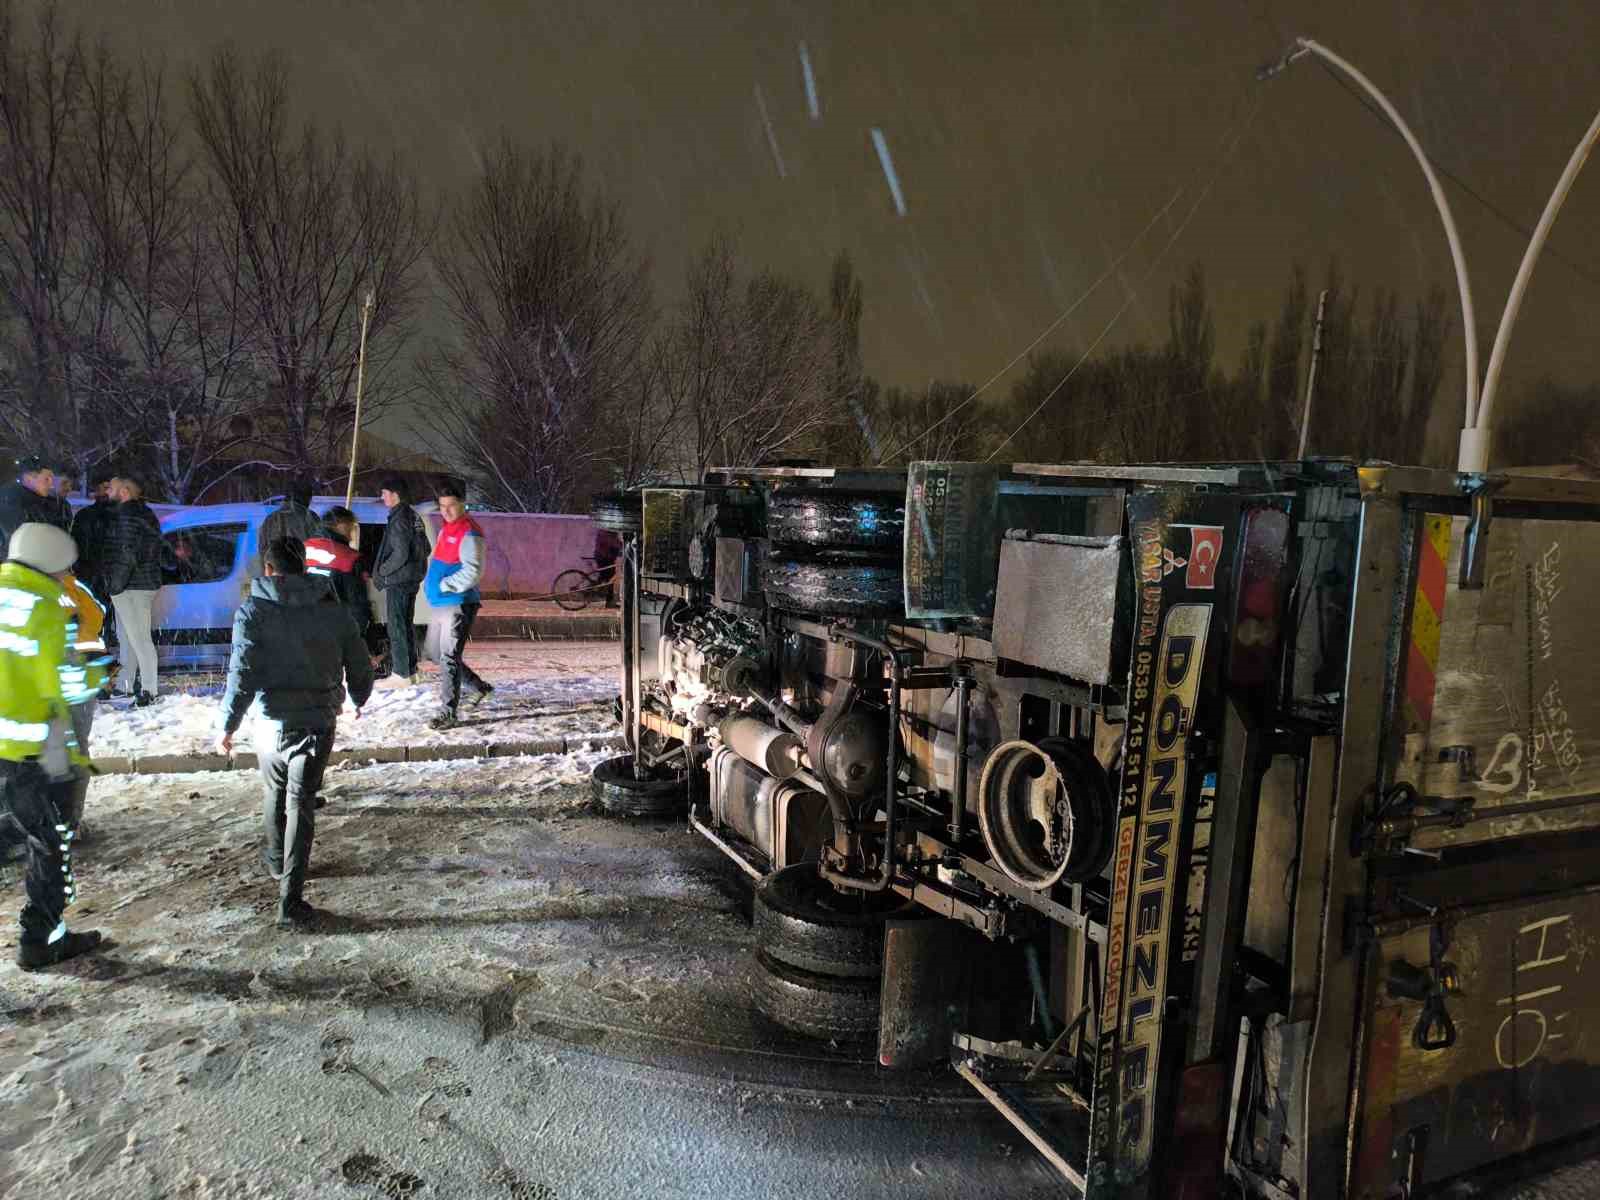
1502,337
1474,441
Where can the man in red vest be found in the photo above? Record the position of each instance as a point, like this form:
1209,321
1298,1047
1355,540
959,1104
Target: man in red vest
451,586
332,556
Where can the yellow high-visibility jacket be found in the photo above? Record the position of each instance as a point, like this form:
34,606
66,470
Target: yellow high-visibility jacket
33,651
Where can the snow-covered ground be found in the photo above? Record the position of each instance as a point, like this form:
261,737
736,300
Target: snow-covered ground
508,997
541,691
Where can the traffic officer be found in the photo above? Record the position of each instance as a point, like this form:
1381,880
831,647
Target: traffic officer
38,753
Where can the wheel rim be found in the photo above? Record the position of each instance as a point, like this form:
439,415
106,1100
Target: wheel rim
1037,819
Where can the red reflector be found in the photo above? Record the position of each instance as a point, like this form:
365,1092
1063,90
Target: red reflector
1258,598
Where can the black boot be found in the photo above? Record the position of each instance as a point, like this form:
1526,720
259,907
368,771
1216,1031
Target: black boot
33,955
295,913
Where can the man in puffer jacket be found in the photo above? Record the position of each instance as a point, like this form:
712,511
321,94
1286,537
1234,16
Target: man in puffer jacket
295,653
132,568
451,586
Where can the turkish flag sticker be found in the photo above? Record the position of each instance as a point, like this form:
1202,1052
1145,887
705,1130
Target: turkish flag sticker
1205,548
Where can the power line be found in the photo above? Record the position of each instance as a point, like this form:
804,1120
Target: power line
1227,153
1046,332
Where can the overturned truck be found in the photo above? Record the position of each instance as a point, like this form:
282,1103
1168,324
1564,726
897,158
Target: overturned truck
1233,829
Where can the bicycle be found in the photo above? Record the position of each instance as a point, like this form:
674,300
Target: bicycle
574,588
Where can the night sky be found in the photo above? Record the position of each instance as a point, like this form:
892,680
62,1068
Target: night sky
1033,140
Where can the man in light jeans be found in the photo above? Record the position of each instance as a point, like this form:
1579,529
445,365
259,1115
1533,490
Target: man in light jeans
133,577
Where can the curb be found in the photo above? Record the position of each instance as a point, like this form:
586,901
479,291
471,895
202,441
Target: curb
184,764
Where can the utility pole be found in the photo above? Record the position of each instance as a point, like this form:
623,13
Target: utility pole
1311,375
361,379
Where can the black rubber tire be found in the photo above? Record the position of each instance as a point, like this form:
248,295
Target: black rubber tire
571,589
848,588
817,1006
620,512
1091,848
831,520
803,922
619,793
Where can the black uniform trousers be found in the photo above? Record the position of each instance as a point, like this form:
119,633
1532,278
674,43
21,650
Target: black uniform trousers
31,815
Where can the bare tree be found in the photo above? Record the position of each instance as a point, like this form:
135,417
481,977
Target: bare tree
51,287
545,388
311,227
747,367
177,342
939,423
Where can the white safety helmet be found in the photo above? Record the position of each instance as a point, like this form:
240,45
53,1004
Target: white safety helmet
43,547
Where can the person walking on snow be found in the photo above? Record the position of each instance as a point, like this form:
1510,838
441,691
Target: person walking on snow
133,577
454,570
400,568
295,654
37,752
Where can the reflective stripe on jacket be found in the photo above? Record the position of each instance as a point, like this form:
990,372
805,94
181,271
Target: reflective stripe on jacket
33,642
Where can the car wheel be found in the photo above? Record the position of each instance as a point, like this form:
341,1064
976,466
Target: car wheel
827,1007
804,922
828,520
836,588
618,792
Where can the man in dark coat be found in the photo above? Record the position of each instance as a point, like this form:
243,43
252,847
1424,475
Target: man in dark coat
92,529
291,519
30,498
132,568
401,567
295,653
331,556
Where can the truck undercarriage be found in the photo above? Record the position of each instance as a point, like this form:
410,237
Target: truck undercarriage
1226,822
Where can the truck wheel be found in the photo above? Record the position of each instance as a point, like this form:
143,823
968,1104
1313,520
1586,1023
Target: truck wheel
817,1006
619,793
620,512
847,588
1095,835
802,921
829,520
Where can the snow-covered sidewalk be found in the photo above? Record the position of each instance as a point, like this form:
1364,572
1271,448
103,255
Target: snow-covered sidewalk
529,706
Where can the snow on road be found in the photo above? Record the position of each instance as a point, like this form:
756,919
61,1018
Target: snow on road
505,998
540,692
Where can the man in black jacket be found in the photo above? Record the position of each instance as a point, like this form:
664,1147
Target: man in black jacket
294,654
401,567
30,498
133,577
291,519
92,529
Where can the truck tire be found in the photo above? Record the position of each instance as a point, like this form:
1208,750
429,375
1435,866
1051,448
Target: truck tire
619,793
803,922
817,1006
620,512
1096,831
830,520
836,588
